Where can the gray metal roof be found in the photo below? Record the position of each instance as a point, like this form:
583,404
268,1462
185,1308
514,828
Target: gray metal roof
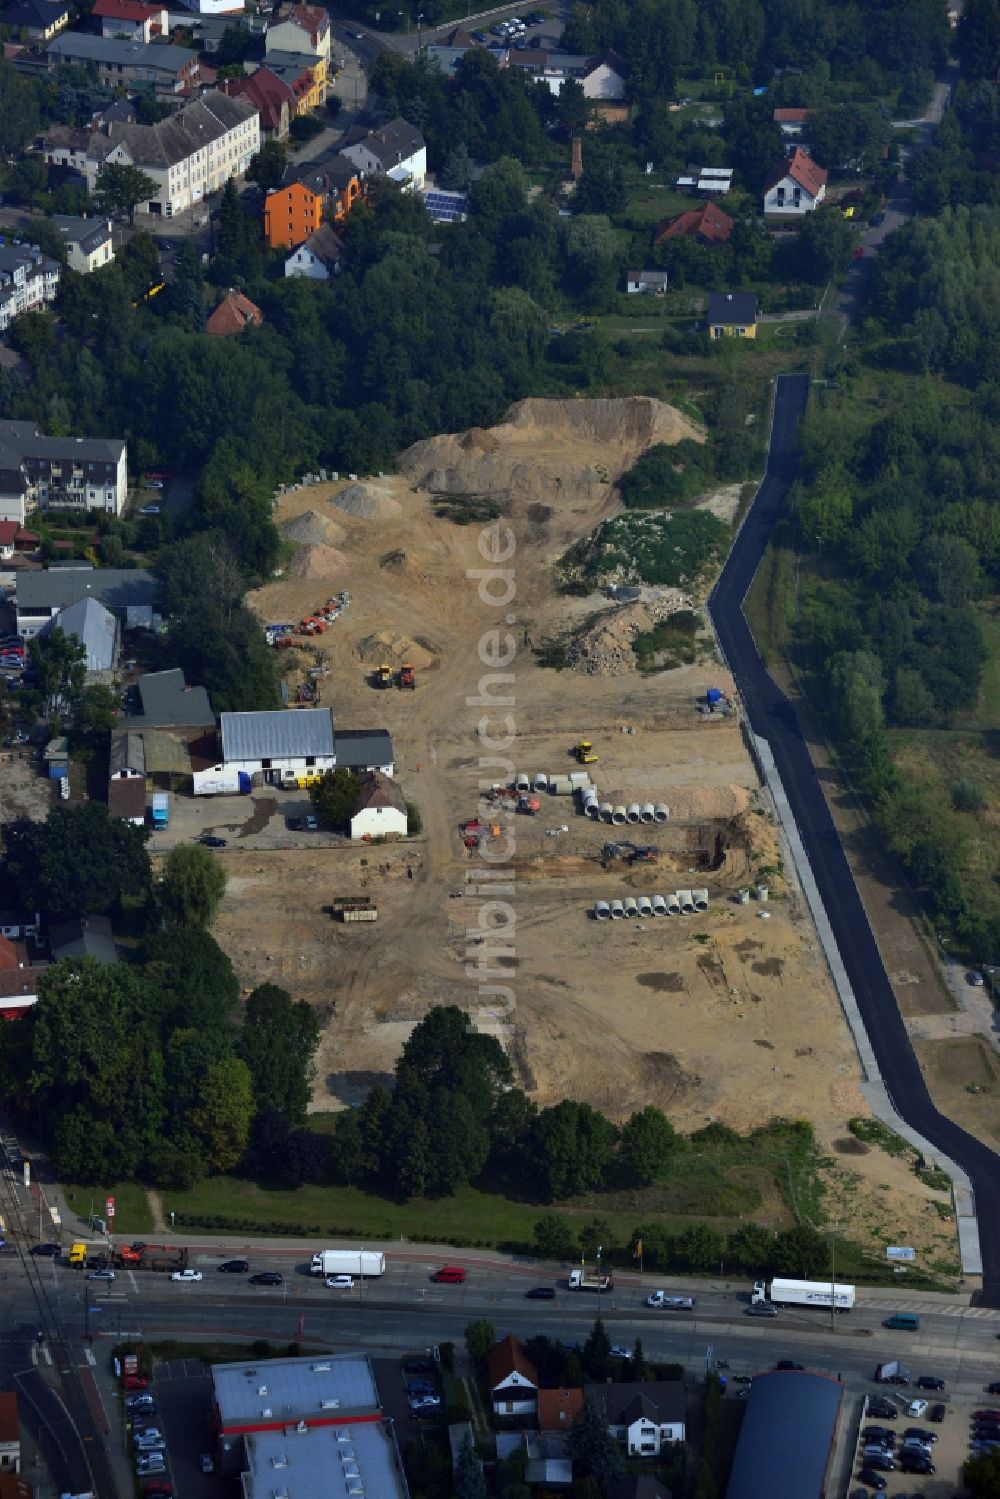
127,752
84,936
57,588
160,57
787,1436
358,749
291,735
173,140
95,626
168,702
328,1462
294,1389
732,308
89,234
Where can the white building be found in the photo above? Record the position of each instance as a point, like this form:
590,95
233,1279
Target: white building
380,810
396,151
88,242
59,473
40,595
513,1379
287,747
319,257
189,155
97,630
303,29
28,280
795,187
646,1418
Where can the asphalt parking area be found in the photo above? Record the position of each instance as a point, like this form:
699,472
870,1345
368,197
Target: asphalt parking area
183,1392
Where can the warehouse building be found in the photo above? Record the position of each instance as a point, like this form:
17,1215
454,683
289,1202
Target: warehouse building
288,747
337,1462
788,1436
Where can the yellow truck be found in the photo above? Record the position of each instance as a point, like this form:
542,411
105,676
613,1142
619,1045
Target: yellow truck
77,1254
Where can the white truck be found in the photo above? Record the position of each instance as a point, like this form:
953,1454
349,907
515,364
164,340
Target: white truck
348,1262
666,1303
587,1280
817,1293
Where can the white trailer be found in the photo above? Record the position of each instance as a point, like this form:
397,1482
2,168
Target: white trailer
817,1293
348,1262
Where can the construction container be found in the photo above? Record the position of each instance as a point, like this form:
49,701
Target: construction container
645,906
713,696
591,806
607,812
619,816
522,782
762,893
580,778
602,911
559,786
743,896
617,910
673,905
354,908
700,898
647,812
539,781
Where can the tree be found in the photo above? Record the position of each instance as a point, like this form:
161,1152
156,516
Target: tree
801,1252
597,1351
978,38
60,661
335,797
569,1149
981,1475
278,1042
268,167
193,884
458,173
698,1247
469,1480
824,244
594,1448
751,1247
78,860
648,1140
553,1238
480,1335
223,1114
119,189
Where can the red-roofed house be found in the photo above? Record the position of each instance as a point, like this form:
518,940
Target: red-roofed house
234,313
131,19
709,225
791,122
558,1409
18,992
796,186
513,1378
14,538
274,99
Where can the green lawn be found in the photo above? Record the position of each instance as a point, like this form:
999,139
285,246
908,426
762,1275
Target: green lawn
132,1215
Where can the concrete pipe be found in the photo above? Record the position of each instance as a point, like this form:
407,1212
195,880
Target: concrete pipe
686,902
645,906
580,778
539,781
522,782
631,906
743,896
634,813
661,812
673,905
607,812
700,898
647,812
602,911
617,910
659,906
592,807
619,816
762,893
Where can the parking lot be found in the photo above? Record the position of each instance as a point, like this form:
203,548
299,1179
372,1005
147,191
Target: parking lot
257,821
182,1389
953,1432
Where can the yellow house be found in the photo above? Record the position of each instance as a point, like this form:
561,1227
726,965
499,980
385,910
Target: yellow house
732,314
307,76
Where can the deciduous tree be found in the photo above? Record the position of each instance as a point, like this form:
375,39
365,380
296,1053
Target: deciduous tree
192,887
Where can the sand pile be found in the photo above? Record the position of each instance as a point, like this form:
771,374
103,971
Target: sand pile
368,502
548,451
387,648
311,528
317,561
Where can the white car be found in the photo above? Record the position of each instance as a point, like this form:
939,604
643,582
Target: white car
340,1282
150,1462
916,1407
151,1437
186,1275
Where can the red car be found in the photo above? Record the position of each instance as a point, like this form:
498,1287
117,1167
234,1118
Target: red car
160,1487
449,1275
134,1382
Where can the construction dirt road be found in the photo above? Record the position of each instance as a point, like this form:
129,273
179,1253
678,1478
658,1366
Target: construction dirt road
727,1015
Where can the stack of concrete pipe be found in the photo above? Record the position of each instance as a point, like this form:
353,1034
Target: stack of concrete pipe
593,807
679,903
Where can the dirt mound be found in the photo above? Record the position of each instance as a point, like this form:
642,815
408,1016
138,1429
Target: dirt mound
317,561
545,450
605,650
367,502
390,649
311,528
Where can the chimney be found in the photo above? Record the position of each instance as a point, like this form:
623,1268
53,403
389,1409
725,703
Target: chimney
576,168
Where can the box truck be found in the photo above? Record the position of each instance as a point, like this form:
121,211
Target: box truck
348,1262
817,1293
161,809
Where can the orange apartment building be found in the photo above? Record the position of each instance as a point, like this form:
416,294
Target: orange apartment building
295,211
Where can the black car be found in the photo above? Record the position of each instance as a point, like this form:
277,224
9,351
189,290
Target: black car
296,824
915,1462
48,1251
920,1434
541,1293
930,1382
991,1389
879,1434
235,1267
937,1413
418,1366
786,1363
883,1409
210,841
871,1478
883,1464
266,1278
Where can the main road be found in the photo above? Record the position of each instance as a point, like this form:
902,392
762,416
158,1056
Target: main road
772,717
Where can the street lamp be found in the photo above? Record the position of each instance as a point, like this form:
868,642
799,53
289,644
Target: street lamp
833,1231
420,42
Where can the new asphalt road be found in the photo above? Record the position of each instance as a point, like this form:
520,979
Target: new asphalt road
773,718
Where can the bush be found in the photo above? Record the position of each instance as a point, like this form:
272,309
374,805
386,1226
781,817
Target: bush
414,821
967,795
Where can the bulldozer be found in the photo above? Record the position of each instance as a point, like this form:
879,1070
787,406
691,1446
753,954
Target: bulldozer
584,752
407,677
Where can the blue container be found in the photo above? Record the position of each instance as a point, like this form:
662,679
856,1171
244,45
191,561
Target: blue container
246,782
58,772
713,695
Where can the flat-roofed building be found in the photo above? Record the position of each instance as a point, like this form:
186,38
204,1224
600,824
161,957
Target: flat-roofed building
338,1462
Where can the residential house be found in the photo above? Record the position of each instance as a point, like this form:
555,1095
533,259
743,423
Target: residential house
796,186
274,99
127,801
646,1418
234,313
646,283
164,701
233,8
131,19
558,1409
127,778
300,28
396,150
548,1464
211,29
732,314
59,473
322,1462
20,968
447,52
99,633
88,242
190,155
335,180
164,68
276,746
291,215
28,280
83,937
306,75
10,1433
791,122
513,1378
604,78
380,809
365,751
14,540
319,258
36,20
707,225
41,595
65,146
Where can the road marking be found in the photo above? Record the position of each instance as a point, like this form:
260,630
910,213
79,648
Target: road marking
134,1283
46,1355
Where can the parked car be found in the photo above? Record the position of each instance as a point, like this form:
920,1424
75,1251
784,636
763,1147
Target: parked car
340,1282
134,1382
883,1409
930,1382
449,1275
159,1487
916,1408
266,1278
871,1478
150,1436
312,825
541,1293
50,1251
295,824
882,1463
235,1267
919,1434
991,1389
187,1276
786,1363
210,841
150,1462
418,1366
141,1403
878,219
154,483
150,509
417,1387
101,1275
879,1433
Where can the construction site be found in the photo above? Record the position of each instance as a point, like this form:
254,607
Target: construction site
609,786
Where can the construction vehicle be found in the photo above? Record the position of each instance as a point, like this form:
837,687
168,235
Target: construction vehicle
584,752
77,1254
284,642
528,805
628,853
406,676
383,676
588,1280
312,626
